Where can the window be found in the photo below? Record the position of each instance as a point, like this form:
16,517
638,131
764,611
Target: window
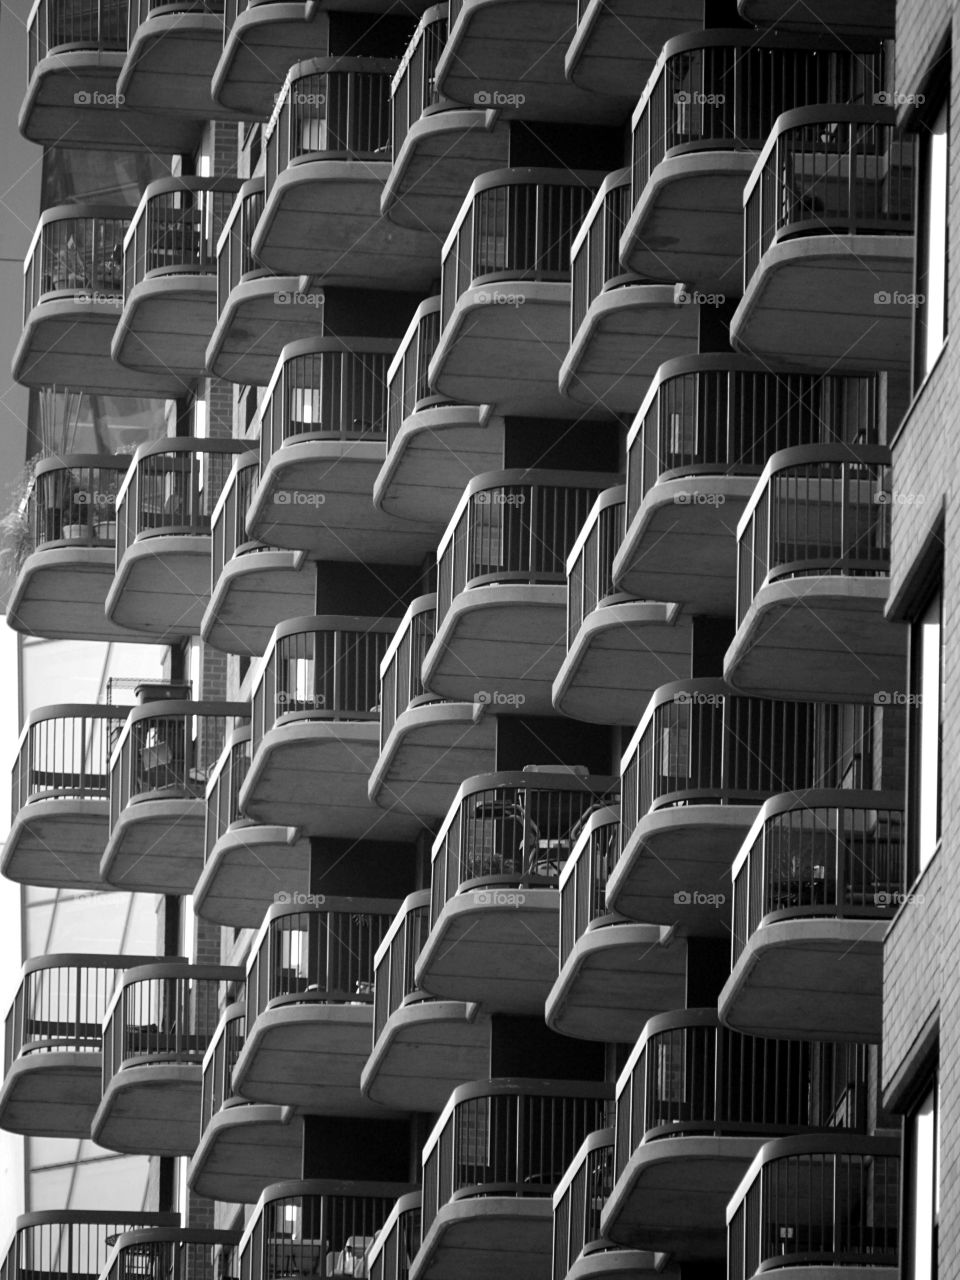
922,1189
932,243
926,733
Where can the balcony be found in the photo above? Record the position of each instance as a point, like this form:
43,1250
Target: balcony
622,328
876,17
490,1168
327,149
176,1253
829,243
614,974
172,51
397,1242
827,1204
501,595
695,1103
813,554
60,805
53,1244
619,650
322,426
244,1146
494,903
422,1047
261,40
427,744
158,776
615,44
155,1034
310,1004
253,586
704,116
702,761
815,887
695,452
170,271
433,446
164,508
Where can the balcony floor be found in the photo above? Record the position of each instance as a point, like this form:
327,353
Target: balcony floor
427,1048
156,846
617,42
57,844
261,46
243,1149
165,326
254,592
168,66
161,586
60,594
51,1095
872,17
245,871
509,1237
260,316
150,1110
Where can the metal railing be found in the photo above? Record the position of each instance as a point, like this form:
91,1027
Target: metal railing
816,1202
511,829
590,562
401,686
228,528
413,91
234,258
74,25
63,753
142,11
578,1203
397,1242
218,1063
408,387
515,224
583,880
223,788
838,855
725,415
57,1244
833,171
76,251
396,960
595,253
820,510
173,1253
73,500
178,220
688,1075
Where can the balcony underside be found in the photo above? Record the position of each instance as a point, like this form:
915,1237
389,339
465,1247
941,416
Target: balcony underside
313,775
254,592
618,976
496,947
504,641
475,1238
60,594
245,871
427,1048
628,1264
339,522
169,64
151,1110
688,223
156,846
261,46
619,656
819,979
823,636
323,218
51,1095
256,324
57,844
617,41
810,305
873,17
676,857
428,753
243,1149
436,452
625,336
682,543
165,327
161,586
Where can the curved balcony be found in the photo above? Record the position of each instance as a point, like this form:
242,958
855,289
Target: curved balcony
815,887
261,41
702,761
327,149
694,453
615,44
397,1242
494,902
155,1034
422,1047
252,586
322,426
827,1204
310,1004
433,445
622,328
813,576
164,509
701,121
501,598
62,584
52,1244
490,1168
505,294
244,1146
829,243
158,776
53,1038
176,1253
614,974
876,17
170,271
619,650
695,1103
428,745
60,804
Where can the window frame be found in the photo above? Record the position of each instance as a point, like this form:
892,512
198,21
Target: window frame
928,1089
920,853
935,103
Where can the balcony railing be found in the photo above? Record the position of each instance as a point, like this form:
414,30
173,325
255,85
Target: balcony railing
61,1243
408,388
234,259
507,1138
413,92
73,500
690,1076
74,25
400,684
175,1253
218,1063
76,252
396,959
515,224
827,1202
178,221
590,563
63,753
399,1239
578,1203
835,855
583,880
223,788
595,252
228,532
820,510
142,11
726,415
511,829
830,171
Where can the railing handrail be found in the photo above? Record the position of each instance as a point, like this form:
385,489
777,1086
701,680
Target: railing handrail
239,735
250,187
417,606
409,1203
412,902
707,685
429,306
436,13
292,1188
617,178
318,66
326,622
604,817
70,461
242,462
83,960
800,455
331,904
68,212
671,1021
617,493
592,1142
91,1217
176,186
177,444
351,346
171,1235
169,710
172,968
69,711
234,1012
